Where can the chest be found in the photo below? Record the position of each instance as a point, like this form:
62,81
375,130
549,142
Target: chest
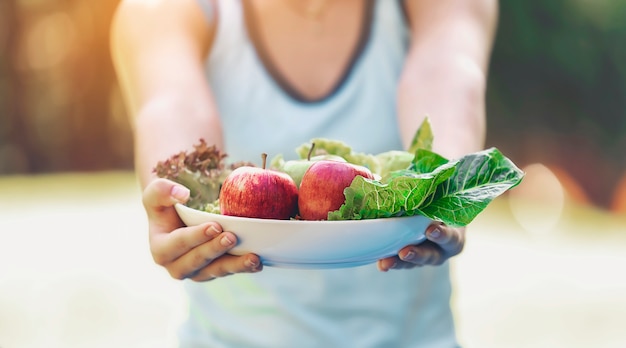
309,56
263,107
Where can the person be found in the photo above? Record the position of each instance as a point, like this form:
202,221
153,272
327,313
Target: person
256,76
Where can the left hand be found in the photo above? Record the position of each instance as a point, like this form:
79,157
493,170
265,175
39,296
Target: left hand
442,242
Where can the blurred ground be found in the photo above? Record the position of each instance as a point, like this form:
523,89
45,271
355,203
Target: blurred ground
75,270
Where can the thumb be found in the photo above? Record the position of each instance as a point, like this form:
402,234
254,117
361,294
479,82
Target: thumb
161,194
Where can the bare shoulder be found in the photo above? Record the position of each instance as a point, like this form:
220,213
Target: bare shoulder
155,44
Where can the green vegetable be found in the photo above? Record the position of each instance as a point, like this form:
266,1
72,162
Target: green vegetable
478,179
391,161
325,146
453,192
381,164
404,194
202,171
423,138
418,181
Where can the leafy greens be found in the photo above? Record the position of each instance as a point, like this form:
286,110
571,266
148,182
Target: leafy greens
202,170
453,192
418,181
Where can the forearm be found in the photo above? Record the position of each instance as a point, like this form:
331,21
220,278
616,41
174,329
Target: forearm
159,49
445,72
167,125
451,92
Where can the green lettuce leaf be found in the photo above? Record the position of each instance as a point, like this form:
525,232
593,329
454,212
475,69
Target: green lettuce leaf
426,161
404,194
423,138
479,178
324,146
393,160
453,192
420,181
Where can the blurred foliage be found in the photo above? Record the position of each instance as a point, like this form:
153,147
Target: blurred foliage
556,90
61,108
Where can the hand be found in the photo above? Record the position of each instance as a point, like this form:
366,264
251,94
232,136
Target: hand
196,252
442,243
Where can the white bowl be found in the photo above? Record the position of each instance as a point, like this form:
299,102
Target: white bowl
315,244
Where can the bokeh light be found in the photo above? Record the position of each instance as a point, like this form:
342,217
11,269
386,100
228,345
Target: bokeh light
49,40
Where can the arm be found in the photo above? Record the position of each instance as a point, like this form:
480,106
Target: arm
158,48
444,77
445,72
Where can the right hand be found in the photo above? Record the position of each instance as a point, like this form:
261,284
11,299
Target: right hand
196,252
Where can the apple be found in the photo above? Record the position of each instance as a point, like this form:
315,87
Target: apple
257,192
297,168
322,186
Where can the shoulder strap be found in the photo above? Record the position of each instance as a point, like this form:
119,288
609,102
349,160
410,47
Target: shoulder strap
210,10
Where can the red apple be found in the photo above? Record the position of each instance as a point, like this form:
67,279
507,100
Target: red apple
297,168
256,192
322,186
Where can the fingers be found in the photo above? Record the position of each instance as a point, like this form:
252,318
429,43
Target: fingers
451,240
196,252
167,247
388,263
442,243
200,253
227,265
427,253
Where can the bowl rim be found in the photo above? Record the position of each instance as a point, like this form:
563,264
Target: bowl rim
292,221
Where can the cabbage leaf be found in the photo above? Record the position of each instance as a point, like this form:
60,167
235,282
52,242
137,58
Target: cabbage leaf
453,192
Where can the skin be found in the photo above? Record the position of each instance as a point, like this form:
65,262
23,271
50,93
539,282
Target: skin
450,47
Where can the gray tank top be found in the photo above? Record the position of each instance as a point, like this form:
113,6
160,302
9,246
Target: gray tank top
351,307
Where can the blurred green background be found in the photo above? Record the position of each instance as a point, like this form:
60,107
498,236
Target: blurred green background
556,93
